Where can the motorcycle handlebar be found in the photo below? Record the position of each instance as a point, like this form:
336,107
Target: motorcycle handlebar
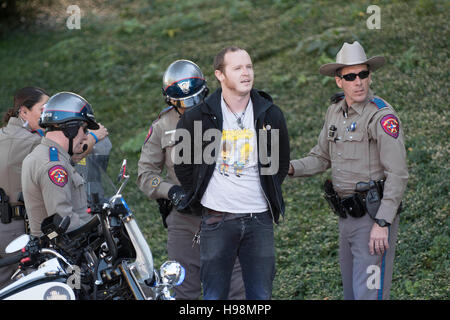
12,259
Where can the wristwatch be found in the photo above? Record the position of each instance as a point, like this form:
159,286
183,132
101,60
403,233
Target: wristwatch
382,222
176,194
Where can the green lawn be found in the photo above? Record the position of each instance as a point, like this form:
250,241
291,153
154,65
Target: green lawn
117,58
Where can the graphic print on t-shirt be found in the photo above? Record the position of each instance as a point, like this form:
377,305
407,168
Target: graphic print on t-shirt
236,152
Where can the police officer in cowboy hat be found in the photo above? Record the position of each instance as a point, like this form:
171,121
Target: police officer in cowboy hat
184,87
49,180
362,141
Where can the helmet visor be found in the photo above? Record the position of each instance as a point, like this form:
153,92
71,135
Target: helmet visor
188,102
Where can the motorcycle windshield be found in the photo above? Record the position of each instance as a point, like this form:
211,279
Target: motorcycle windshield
93,169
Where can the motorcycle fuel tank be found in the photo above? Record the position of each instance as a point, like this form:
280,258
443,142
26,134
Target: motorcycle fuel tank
45,291
37,285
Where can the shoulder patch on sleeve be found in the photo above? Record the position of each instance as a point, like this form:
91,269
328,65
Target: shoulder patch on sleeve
390,125
155,182
58,175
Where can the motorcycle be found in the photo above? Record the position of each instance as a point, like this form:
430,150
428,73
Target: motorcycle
107,258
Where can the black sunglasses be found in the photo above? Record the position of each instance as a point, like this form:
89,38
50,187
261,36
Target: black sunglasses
352,76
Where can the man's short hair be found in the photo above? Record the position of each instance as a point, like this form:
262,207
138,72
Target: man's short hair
219,59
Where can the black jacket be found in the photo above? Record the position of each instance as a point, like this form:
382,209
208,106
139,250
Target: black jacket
194,178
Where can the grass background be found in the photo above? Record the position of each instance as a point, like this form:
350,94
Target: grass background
117,58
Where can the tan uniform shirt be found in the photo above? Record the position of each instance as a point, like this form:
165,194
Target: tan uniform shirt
51,185
367,145
16,142
156,154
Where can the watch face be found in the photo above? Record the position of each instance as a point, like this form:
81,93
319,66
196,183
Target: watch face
382,223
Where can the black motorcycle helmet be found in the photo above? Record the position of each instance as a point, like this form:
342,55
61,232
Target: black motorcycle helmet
67,111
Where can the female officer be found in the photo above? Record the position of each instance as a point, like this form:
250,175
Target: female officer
17,139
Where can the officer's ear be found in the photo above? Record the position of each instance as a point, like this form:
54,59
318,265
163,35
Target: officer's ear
23,113
338,77
22,110
338,81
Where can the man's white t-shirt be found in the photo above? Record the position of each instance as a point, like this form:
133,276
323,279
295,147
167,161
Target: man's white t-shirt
235,185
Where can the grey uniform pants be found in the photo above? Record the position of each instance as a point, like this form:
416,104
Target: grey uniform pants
365,276
8,232
181,230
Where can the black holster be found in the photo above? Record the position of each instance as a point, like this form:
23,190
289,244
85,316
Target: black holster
373,198
366,199
5,208
371,193
353,205
333,199
165,207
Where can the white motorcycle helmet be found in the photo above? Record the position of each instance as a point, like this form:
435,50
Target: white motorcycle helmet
184,85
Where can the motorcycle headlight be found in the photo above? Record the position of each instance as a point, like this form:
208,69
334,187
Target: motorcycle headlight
172,273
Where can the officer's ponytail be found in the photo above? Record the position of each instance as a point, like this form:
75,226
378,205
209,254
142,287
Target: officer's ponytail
27,97
10,113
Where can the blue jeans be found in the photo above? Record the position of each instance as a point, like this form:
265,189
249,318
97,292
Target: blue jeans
251,239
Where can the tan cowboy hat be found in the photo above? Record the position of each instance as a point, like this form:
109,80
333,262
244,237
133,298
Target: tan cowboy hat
350,55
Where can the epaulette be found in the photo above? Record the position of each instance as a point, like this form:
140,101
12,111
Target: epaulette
379,103
164,111
53,154
335,98
40,132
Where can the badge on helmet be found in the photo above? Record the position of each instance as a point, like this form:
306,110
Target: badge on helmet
184,85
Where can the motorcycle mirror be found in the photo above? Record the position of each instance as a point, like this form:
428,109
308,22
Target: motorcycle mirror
123,171
55,225
172,273
18,243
